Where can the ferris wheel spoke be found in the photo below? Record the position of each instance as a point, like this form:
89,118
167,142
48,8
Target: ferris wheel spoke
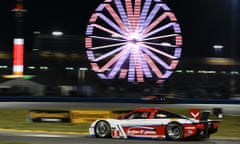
107,38
156,58
145,66
129,9
106,46
144,13
159,52
122,13
112,61
107,54
138,66
160,37
131,73
135,67
153,66
159,20
151,16
165,27
136,13
116,68
158,30
163,44
115,16
111,23
109,31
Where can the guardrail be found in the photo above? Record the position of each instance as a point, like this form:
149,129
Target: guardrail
73,116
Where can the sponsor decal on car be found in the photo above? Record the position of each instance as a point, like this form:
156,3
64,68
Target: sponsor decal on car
141,131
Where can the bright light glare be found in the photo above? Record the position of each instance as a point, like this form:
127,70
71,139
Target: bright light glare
165,44
57,33
218,46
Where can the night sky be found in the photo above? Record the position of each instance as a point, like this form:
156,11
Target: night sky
203,22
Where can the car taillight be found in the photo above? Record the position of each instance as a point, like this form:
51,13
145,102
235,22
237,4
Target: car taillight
215,125
200,126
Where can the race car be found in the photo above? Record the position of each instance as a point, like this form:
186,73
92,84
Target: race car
157,99
154,123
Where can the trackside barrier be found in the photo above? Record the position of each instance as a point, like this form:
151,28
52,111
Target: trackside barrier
100,99
87,116
48,116
73,116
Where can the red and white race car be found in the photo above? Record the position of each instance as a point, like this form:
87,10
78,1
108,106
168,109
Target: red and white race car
153,123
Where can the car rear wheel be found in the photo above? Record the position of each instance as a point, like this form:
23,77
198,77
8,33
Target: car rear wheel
174,131
102,129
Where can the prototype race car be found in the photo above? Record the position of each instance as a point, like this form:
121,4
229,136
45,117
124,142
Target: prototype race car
157,99
153,123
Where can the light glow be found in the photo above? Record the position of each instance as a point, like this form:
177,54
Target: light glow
18,56
218,46
57,33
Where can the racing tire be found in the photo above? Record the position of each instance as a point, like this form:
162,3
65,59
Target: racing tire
174,131
102,129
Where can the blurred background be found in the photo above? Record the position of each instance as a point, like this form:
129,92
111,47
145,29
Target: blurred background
55,61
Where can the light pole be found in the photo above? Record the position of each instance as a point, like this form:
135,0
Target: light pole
218,50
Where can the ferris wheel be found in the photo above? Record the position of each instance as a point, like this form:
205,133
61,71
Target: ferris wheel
136,40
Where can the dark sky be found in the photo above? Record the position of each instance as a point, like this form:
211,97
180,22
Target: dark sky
203,22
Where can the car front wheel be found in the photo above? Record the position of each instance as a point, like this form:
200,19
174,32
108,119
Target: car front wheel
102,129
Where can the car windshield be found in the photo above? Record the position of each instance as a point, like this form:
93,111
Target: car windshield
138,115
165,114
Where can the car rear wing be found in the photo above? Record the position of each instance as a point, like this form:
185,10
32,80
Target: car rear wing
204,119
204,116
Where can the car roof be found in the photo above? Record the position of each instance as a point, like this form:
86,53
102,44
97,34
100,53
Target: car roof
147,109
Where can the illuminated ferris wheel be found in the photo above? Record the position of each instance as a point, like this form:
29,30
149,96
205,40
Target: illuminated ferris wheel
134,40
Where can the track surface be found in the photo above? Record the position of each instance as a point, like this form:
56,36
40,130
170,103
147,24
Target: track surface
44,138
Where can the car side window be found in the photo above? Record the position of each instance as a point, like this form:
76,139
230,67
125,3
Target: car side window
164,114
160,115
139,115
